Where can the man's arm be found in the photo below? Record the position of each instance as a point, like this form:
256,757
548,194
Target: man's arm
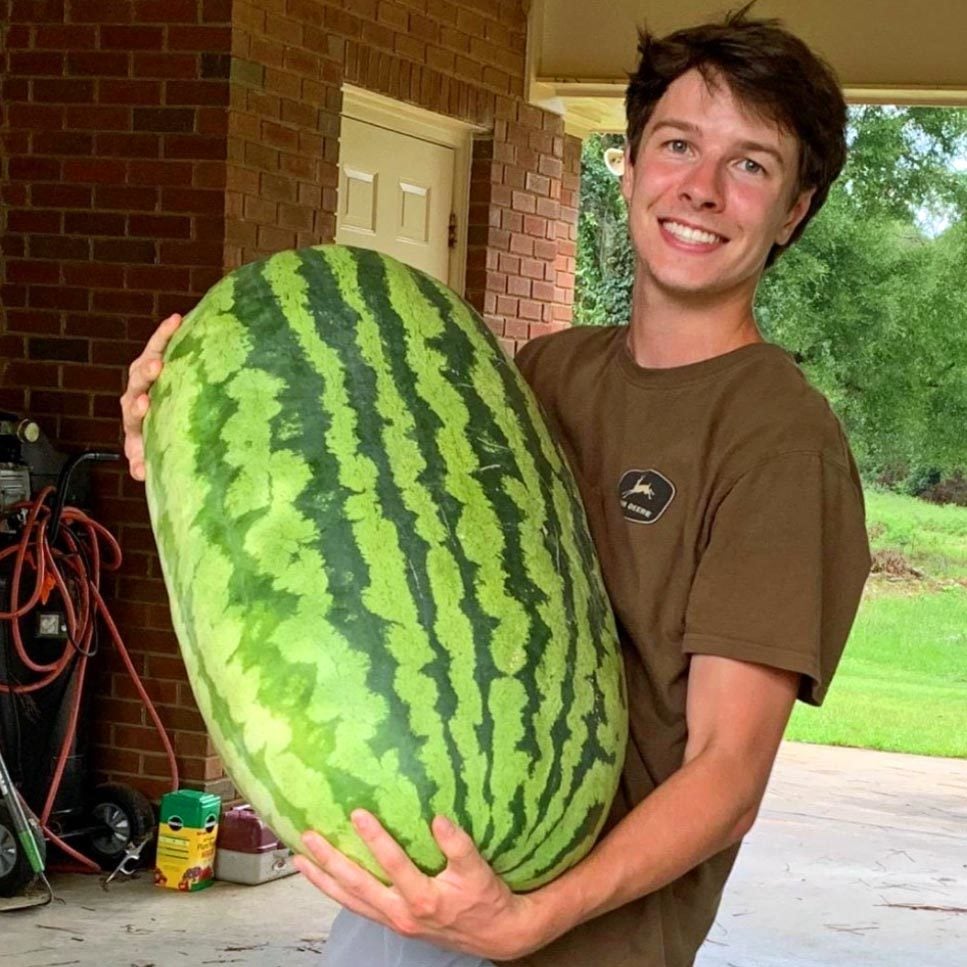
736,714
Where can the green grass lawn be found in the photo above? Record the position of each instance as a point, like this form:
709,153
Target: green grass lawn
902,683
932,537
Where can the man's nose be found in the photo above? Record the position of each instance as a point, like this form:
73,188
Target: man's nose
703,187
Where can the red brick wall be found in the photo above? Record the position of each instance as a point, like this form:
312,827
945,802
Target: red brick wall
283,128
524,226
444,57
113,188
149,145
567,229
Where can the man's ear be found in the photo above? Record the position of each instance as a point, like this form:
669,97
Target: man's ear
796,214
627,175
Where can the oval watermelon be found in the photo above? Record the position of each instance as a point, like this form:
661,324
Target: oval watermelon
379,569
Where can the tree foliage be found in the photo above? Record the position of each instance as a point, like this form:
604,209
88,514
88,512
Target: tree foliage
605,259
871,300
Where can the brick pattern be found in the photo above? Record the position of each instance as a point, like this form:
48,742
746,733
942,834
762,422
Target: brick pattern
149,145
567,229
290,59
113,189
283,127
481,42
520,269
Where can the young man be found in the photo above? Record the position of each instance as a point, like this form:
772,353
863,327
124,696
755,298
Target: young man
726,510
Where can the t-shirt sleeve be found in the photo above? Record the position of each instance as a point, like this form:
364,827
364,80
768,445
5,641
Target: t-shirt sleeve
783,570
524,360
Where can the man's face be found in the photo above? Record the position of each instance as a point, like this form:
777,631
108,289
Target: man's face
710,192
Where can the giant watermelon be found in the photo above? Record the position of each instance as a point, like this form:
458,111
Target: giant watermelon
379,568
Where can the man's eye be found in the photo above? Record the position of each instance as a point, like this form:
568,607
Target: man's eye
677,146
752,167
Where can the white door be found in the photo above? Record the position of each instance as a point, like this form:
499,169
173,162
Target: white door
395,195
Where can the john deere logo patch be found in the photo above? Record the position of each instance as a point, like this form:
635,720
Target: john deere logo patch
644,495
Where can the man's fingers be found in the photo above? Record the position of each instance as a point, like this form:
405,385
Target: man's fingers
161,336
142,374
459,849
401,870
133,410
328,885
147,367
454,842
350,877
133,447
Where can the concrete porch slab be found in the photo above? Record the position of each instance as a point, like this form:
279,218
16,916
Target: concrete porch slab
859,858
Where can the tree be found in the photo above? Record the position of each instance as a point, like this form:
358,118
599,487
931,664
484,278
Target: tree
871,300
868,299
605,259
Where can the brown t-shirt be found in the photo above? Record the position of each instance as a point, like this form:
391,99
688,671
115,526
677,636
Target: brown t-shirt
728,517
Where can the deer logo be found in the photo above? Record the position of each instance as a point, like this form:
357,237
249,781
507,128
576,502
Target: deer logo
644,495
641,487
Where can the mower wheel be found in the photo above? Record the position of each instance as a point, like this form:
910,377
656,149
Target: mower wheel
15,871
118,816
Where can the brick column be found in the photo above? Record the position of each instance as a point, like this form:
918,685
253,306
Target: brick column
567,230
520,266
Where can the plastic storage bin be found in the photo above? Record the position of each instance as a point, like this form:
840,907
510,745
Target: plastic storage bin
248,851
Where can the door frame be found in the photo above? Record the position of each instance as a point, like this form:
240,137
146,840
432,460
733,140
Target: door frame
402,118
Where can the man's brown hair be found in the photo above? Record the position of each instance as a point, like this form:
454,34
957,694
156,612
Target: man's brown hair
770,71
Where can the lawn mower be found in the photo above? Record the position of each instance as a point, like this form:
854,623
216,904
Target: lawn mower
52,616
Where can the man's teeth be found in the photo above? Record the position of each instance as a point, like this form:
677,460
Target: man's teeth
691,234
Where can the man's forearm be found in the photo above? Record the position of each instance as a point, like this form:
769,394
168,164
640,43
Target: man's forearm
696,813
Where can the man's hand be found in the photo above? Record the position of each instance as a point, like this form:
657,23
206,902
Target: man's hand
466,907
134,403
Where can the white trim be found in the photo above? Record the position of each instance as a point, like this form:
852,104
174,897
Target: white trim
403,118
927,96
613,88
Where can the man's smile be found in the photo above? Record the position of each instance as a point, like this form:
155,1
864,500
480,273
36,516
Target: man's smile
691,235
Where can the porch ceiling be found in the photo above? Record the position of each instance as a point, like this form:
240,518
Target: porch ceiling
884,51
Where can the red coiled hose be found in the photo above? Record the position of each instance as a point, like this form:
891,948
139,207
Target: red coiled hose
74,569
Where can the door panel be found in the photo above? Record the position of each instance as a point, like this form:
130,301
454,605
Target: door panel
395,195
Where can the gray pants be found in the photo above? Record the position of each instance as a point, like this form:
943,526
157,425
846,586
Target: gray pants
357,942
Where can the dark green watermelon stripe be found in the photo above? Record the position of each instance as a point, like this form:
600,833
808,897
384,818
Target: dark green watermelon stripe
380,375
561,732
533,581
184,379
593,758
257,634
589,589
586,759
201,341
600,615
603,748
485,531
566,731
553,863
418,377
370,557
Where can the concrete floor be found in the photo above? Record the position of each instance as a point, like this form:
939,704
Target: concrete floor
858,859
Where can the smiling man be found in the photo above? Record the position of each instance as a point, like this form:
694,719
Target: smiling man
725,507
727,513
